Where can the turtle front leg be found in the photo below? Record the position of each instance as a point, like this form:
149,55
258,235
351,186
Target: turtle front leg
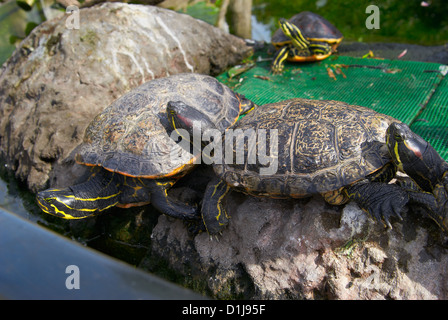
214,215
375,196
168,205
279,60
379,199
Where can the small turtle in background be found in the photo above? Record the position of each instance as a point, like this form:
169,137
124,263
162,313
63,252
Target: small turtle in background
306,37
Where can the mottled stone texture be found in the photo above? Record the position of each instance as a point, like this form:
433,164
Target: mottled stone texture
60,78
306,249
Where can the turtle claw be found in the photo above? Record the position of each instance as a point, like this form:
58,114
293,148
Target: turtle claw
397,213
393,207
213,237
384,219
388,225
382,201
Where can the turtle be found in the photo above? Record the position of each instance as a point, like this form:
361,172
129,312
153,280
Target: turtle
427,169
306,37
322,147
133,158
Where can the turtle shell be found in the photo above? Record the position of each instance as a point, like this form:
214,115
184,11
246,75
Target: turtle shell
131,136
322,146
313,27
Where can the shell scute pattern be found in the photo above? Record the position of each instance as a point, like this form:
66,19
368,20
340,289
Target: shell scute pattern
213,101
214,85
131,136
323,146
309,112
314,146
326,180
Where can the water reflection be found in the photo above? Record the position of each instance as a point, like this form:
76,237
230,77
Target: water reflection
10,199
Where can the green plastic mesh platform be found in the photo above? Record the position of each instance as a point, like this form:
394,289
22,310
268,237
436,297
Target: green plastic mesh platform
413,92
432,123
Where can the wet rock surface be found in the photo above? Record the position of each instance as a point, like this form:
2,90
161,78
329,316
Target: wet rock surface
306,249
60,78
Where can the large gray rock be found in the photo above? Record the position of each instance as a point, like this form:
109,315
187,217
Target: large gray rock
60,78
294,249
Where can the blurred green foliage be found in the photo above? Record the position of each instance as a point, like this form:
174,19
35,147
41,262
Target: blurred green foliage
202,10
411,21
15,24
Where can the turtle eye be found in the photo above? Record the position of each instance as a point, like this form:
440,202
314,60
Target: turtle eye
398,137
49,200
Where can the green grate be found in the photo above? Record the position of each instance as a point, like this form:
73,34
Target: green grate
432,123
412,92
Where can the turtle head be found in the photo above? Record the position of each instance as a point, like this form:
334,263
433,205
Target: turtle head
60,203
404,145
293,32
246,105
187,121
416,157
